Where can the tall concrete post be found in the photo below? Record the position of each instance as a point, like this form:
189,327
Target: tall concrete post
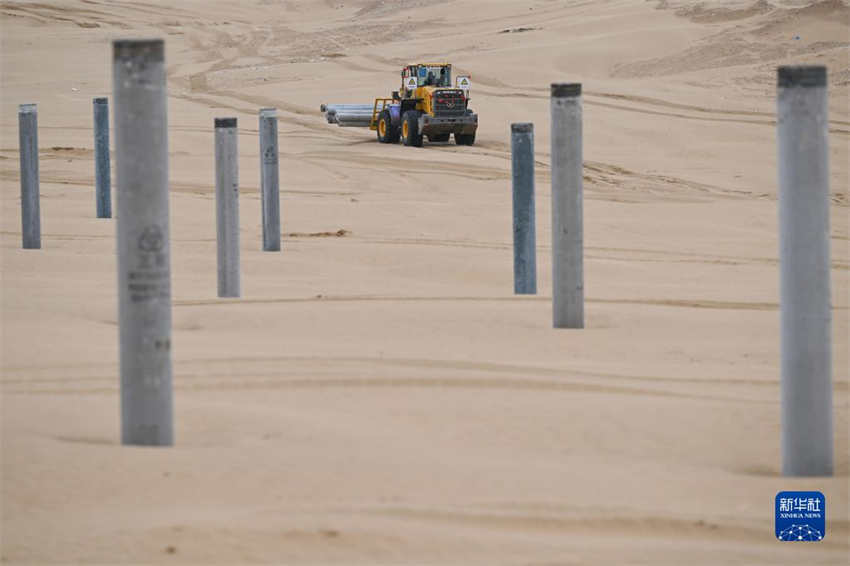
269,183
525,239
803,144
28,150
103,184
567,207
227,206
144,270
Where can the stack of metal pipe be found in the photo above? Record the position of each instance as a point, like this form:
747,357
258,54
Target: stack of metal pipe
348,115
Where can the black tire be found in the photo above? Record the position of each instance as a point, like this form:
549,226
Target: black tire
410,129
439,138
385,124
465,139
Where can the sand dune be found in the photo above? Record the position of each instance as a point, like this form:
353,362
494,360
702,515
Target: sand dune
379,395
760,33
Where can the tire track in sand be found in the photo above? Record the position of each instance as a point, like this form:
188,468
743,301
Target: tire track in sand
619,525
297,365
270,382
677,303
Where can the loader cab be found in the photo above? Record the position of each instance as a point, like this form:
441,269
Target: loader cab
425,74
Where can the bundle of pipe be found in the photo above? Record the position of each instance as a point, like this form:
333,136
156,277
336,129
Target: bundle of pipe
353,120
352,116
348,115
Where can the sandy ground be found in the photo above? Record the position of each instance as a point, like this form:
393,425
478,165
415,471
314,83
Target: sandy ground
382,397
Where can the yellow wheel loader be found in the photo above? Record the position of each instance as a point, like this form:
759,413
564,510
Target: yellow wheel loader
428,105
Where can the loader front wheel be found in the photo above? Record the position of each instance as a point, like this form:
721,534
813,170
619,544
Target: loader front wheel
410,129
387,133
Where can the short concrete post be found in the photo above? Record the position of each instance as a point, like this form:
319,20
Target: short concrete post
227,206
567,207
28,150
269,187
144,270
103,185
525,240
803,143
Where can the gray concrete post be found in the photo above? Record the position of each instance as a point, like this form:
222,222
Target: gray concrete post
567,207
144,270
227,206
103,184
269,183
28,150
803,150
525,239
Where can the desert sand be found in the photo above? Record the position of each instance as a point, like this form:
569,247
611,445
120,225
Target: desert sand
380,396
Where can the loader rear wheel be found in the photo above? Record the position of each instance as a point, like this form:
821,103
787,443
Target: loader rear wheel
410,129
387,133
439,138
465,139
